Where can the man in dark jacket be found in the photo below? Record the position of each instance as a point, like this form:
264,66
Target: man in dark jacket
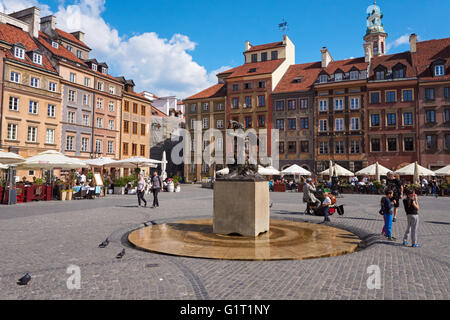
156,187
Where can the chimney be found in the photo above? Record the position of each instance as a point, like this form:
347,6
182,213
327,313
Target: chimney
30,16
368,51
248,46
79,35
326,57
413,42
48,24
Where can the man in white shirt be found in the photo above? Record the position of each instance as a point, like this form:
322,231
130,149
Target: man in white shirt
82,178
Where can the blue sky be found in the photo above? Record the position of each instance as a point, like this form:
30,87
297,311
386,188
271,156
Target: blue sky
214,32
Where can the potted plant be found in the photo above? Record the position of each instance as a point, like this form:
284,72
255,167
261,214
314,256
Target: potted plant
119,185
177,183
444,189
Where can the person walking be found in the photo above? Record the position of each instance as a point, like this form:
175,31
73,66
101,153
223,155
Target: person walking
394,184
387,206
308,195
141,190
156,188
412,212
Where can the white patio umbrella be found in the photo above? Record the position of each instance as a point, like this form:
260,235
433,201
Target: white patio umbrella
4,167
415,168
99,162
372,171
296,170
269,171
163,166
443,172
339,171
136,162
50,160
10,158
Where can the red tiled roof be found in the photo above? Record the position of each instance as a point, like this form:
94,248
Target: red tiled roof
137,95
70,37
158,112
390,61
60,51
267,46
429,52
346,65
13,35
217,90
307,72
264,67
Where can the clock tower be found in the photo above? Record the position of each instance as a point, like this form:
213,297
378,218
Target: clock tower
375,38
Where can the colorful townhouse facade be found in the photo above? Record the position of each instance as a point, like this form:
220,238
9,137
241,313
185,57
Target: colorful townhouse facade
293,115
31,90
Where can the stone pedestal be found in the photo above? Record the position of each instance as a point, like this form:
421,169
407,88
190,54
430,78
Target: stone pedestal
241,207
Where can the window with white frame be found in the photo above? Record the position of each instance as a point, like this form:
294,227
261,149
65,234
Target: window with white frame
193,107
323,78
339,147
13,104
323,125
205,123
12,131
338,104
100,86
32,134
87,82
94,67
112,89
439,70
323,105
99,122
338,77
98,146
339,124
15,77
86,120
33,109
85,99
99,103
69,143
69,48
303,103
219,124
85,144
354,75
71,117
219,144
111,106
79,54
50,136
73,77
19,53
192,124
104,70
51,111
55,44
52,86
205,106
37,58
323,147
71,96
354,103
111,124
354,124
354,147
34,82
110,147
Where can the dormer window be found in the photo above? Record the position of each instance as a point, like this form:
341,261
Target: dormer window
104,70
338,77
94,67
354,75
323,78
298,79
252,70
55,44
19,53
399,73
69,48
37,58
439,70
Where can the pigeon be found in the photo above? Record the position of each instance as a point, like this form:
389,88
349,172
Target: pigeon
24,280
120,255
104,244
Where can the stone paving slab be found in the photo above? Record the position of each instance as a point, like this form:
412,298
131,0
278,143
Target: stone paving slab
44,239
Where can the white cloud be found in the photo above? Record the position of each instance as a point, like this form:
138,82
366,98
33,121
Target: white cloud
404,39
163,66
9,6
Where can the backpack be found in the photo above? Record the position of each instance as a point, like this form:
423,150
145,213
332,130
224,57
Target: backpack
381,212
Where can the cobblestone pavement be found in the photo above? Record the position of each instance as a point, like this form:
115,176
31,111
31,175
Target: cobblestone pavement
44,239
